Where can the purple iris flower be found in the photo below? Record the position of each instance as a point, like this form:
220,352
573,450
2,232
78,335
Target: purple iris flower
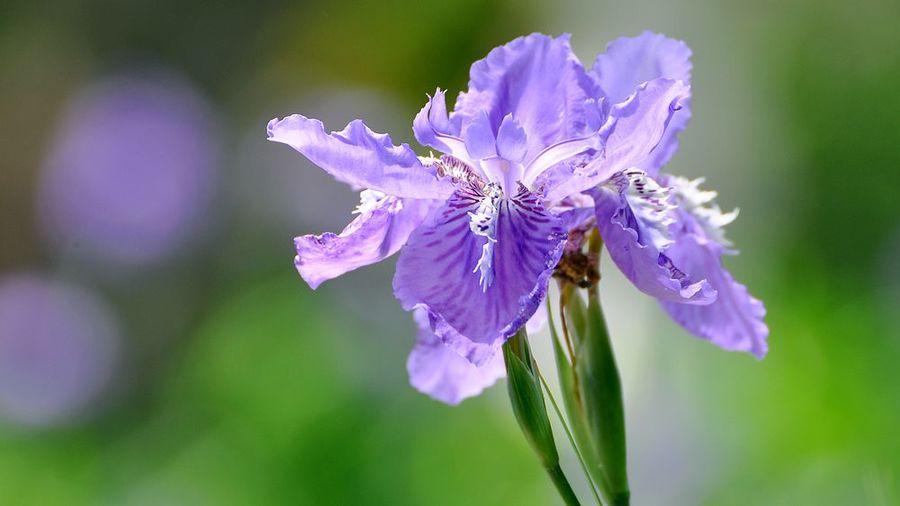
481,227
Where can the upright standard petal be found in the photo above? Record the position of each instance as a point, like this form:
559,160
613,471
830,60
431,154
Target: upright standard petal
637,254
360,157
439,266
377,233
634,129
630,61
436,370
539,81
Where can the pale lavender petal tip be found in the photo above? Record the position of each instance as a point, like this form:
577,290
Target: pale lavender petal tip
436,370
735,321
630,61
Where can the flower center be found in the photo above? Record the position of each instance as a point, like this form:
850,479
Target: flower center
483,222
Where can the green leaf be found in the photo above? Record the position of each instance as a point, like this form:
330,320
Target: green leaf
601,390
576,316
527,400
570,388
528,406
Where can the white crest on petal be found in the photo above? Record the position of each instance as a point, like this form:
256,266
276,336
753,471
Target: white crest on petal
483,222
368,201
429,160
700,204
650,203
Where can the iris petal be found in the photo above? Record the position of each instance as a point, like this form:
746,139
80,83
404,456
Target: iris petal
539,81
436,267
512,144
433,128
479,138
635,128
360,157
735,320
371,237
436,370
630,61
650,270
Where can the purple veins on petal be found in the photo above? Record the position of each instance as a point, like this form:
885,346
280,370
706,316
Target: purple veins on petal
436,370
439,276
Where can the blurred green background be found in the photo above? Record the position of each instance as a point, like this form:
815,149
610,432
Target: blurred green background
178,359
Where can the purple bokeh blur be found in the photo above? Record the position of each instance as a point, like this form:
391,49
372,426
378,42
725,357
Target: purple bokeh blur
59,347
130,171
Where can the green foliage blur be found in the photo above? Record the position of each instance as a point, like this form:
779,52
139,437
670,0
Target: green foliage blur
241,386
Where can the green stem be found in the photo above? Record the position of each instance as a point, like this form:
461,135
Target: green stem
606,412
562,485
562,421
601,387
570,386
527,400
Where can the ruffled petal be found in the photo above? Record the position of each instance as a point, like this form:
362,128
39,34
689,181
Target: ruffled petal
630,61
636,255
539,81
735,320
636,127
437,269
371,237
435,370
360,157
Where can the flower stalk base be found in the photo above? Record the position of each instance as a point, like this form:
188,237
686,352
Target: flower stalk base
528,405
